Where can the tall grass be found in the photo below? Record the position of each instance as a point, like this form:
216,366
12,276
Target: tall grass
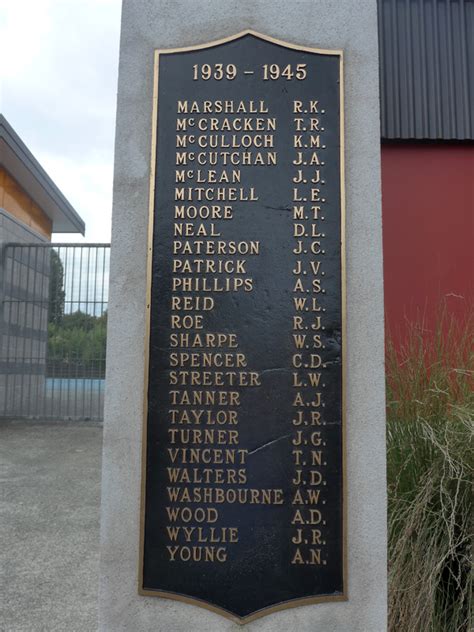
430,421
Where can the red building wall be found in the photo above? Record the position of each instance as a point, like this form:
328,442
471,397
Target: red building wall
428,230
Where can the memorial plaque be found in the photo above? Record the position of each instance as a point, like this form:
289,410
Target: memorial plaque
243,458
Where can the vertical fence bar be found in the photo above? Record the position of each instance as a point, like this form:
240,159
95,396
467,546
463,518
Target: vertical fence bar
94,295
90,311
43,326
28,333
8,332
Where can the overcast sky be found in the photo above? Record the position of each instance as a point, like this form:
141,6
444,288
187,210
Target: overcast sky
59,90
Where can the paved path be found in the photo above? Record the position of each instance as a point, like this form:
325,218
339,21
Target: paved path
49,516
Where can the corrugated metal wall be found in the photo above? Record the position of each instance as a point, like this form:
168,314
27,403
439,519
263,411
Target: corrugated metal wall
427,69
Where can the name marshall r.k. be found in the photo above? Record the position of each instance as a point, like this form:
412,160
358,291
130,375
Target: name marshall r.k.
220,106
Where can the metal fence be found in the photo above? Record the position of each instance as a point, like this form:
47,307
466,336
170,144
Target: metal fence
53,319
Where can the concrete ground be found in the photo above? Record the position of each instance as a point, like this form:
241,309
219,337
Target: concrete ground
49,526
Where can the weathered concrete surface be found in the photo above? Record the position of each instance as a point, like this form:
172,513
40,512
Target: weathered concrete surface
49,515
350,25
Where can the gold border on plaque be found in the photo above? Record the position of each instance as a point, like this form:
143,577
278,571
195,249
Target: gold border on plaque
293,603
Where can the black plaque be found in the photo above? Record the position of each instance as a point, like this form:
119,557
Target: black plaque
243,481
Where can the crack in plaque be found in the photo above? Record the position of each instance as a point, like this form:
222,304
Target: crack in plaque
265,445
328,362
277,208
281,368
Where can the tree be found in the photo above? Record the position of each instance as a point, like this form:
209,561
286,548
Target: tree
56,289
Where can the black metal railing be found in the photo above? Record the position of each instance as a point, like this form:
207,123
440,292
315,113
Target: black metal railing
53,318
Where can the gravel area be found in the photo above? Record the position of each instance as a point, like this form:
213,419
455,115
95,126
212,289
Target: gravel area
49,515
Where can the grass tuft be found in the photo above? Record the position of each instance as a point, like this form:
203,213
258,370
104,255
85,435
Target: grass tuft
430,423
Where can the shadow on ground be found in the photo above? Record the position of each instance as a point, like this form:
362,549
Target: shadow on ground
49,514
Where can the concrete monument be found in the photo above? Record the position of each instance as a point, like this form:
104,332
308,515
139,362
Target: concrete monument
244,445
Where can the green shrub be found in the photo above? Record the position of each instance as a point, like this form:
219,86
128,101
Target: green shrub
76,346
430,412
